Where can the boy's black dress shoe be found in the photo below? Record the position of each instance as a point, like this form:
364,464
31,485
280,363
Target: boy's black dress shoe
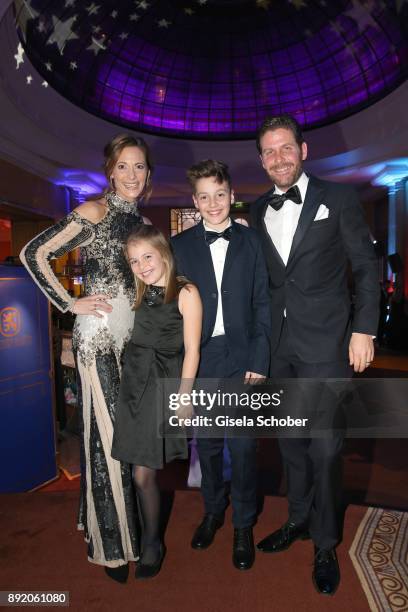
326,571
120,574
145,571
243,552
205,532
282,538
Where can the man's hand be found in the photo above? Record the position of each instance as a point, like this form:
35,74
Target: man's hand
252,378
361,351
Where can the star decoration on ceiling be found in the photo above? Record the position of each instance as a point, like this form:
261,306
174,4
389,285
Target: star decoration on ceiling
48,66
123,36
143,5
69,3
19,56
337,27
73,65
202,2
189,11
114,14
263,4
92,9
44,84
163,23
24,13
41,27
298,4
361,14
29,79
134,17
96,29
96,46
62,33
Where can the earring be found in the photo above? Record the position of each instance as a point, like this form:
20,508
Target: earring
112,183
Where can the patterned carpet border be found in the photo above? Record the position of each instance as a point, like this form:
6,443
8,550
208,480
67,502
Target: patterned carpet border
380,557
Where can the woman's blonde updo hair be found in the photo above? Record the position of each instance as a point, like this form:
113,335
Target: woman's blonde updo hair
115,147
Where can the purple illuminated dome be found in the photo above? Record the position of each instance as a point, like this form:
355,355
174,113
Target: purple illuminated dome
215,68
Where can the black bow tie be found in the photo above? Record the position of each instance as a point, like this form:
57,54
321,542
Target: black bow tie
211,237
278,200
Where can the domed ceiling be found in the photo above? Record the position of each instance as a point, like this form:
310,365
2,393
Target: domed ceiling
213,69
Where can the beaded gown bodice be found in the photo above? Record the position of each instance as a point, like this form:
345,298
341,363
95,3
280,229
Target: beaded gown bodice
105,267
105,271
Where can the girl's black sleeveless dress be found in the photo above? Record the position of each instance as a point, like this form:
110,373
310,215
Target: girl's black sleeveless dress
154,353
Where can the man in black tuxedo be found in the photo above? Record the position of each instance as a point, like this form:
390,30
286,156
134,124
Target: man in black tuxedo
225,261
311,229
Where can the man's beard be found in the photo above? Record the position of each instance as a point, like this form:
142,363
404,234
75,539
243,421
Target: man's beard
289,180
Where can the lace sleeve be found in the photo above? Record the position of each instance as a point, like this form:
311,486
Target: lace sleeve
68,234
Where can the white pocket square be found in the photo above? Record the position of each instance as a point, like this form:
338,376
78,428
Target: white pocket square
322,213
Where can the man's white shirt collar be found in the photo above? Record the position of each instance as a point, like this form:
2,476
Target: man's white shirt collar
302,183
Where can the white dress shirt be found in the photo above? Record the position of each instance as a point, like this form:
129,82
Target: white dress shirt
281,224
218,250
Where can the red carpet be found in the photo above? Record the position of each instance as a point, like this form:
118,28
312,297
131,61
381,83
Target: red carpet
41,550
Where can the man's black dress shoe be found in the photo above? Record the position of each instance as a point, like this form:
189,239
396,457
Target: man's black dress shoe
326,572
120,574
205,532
243,552
145,571
282,538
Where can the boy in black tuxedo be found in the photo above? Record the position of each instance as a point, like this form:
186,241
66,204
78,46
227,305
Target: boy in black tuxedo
225,261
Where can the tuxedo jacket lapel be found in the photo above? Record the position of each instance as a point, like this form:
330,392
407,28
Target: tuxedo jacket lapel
262,225
233,249
313,199
203,254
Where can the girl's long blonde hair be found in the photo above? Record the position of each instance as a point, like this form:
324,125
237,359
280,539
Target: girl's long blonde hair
172,283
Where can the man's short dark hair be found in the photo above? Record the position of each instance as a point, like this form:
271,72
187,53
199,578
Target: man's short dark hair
208,168
280,121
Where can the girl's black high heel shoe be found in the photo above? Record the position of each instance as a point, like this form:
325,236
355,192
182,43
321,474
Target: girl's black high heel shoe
144,571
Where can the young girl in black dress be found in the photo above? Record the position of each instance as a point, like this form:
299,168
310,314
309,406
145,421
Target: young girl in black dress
168,316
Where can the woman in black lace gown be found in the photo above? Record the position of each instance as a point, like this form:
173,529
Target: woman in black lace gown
168,319
103,325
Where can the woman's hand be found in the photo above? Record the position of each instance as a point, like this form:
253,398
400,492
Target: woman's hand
95,305
184,411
